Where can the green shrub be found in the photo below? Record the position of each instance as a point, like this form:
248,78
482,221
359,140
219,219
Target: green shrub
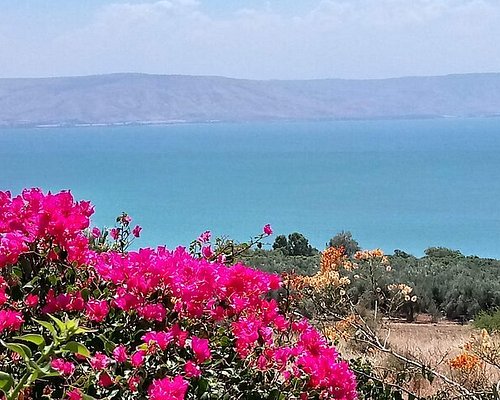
488,320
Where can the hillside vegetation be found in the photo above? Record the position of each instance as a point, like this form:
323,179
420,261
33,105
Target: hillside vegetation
447,283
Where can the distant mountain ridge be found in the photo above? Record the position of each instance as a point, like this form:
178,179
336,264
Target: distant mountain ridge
129,98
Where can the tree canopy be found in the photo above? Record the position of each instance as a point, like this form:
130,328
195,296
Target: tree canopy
295,245
344,239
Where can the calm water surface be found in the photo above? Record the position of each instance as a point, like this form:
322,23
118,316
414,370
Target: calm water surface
394,184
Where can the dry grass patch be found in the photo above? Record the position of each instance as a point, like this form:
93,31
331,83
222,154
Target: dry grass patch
432,345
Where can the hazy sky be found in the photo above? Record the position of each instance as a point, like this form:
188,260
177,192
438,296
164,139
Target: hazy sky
250,39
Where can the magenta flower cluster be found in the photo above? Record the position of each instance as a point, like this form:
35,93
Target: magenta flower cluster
168,289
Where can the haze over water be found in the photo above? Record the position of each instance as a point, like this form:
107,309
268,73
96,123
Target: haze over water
405,184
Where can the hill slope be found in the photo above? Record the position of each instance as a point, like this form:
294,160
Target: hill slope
140,98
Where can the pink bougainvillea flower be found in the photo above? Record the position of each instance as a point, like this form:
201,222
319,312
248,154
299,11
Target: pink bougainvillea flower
162,339
105,380
137,231
192,370
3,291
267,229
35,217
262,362
64,367
221,258
138,358
12,245
204,237
77,302
3,296
126,301
158,286
10,320
133,383
75,394
31,300
97,310
120,354
207,252
115,233
99,361
152,312
281,323
96,232
63,302
168,389
180,335
201,349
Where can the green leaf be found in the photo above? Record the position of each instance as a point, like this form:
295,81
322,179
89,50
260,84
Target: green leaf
109,346
76,348
44,372
32,338
25,265
85,294
143,346
71,325
17,271
31,284
61,325
6,382
49,326
225,341
81,330
21,349
34,376
202,386
274,395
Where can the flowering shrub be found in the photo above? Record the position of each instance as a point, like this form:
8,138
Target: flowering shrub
82,318
464,362
469,370
331,292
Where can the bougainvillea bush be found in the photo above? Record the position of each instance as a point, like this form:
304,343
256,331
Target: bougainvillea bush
81,317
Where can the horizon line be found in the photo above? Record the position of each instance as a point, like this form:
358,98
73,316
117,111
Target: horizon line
242,79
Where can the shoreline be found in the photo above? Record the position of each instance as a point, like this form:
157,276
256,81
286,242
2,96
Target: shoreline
171,122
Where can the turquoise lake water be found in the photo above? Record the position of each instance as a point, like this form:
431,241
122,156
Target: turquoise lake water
406,184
